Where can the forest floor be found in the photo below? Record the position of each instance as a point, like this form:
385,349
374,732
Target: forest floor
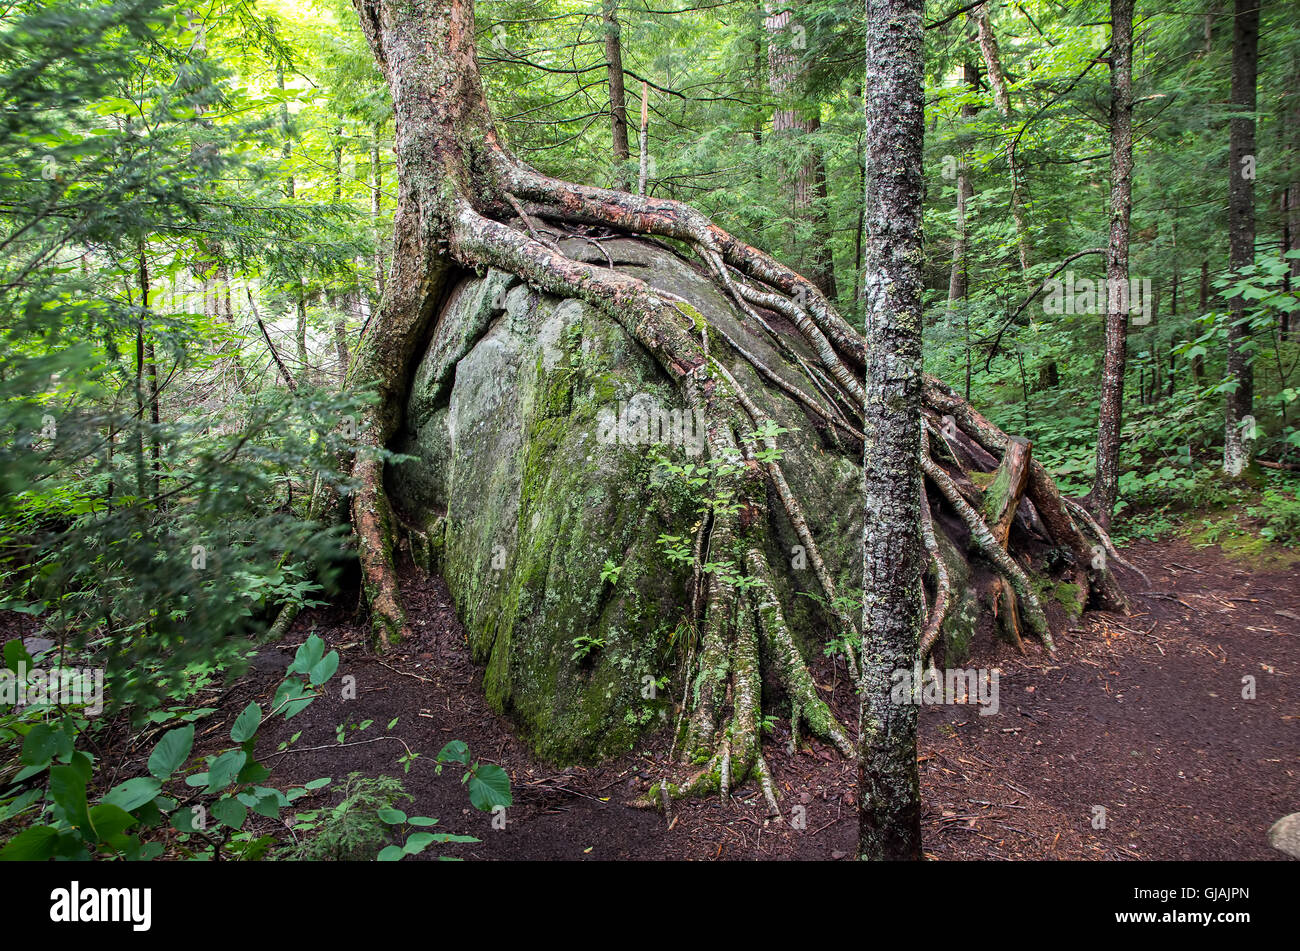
1143,715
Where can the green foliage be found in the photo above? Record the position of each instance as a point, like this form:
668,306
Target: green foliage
228,785
488,784
368,824
1278,515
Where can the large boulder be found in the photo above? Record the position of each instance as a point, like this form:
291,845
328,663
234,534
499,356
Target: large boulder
534,423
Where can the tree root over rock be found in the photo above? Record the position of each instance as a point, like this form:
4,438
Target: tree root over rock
467,203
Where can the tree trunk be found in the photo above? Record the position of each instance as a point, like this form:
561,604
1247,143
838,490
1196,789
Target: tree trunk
1106,487
617,94
1238,437
958,283
1198,362
376,210
1002,97
809,193
889,813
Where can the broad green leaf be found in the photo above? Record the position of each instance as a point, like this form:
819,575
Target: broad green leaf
171,752
489,786
223,770
109,820
247,723
32,845
454,752
133,793
230,811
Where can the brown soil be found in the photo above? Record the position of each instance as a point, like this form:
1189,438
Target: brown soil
1142,715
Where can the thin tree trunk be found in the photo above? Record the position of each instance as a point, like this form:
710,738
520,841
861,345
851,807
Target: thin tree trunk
341,301
617,94
300,302
1238,434
643,140
1106,487
889,810
1002,98
1198,362
376,210
1291,200
809,193
958,284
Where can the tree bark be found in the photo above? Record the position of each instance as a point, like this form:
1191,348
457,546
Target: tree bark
617,93
1238,434
1106,487
376,210
958,282
889,812
1002,98
809,194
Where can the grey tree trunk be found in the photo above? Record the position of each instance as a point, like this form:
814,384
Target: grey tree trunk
1110,416
1238,433
889,812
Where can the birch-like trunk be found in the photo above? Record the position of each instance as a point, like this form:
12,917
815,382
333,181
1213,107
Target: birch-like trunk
893,554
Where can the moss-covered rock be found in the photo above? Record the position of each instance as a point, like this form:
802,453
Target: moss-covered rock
528,421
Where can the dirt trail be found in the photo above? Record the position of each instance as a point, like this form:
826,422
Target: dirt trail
1143,716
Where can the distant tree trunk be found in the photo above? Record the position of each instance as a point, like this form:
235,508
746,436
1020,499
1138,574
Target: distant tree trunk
889,810
1291,203
958,284
1106,487
617,94
1002,97
340,302
809,194
643,142
376,206
1198,362
1173,314
1291,242
1238,434
300,295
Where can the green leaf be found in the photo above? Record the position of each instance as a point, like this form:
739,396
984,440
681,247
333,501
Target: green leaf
454,752
133,793
291,699
68,792
391,816
171,752
308,655
489,786
392,853
41,745
418,842
247,723
223,770
32,845
16,653
230,811
109,820
324,669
